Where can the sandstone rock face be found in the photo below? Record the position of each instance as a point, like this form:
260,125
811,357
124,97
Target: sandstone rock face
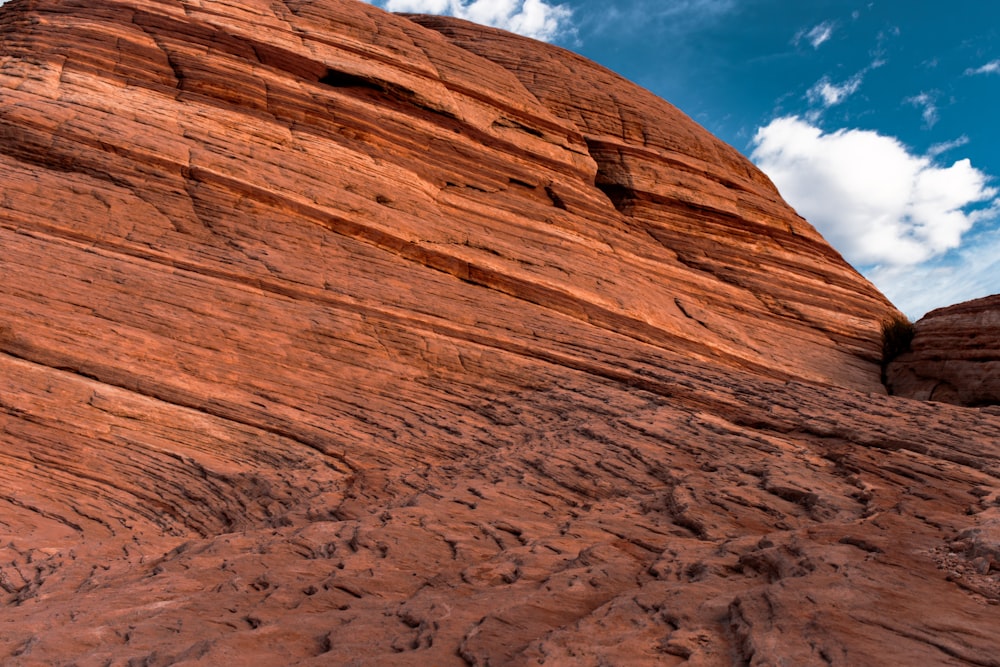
329,336
955,356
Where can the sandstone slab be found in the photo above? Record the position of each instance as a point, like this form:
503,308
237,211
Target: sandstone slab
329,336
954,356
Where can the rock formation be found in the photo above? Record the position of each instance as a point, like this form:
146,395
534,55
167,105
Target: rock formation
329,336
954,356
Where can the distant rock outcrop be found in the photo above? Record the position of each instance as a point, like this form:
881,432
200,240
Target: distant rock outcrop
954,356
330,336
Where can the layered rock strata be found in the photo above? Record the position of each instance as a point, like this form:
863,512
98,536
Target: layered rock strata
954,356
329,336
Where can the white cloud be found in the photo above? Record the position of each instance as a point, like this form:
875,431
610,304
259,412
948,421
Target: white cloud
876,202
971,272
992,67
946,146
815,35
829,94
533,18
928,103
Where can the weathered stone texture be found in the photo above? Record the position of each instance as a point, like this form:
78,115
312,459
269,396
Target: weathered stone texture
329,336
954,357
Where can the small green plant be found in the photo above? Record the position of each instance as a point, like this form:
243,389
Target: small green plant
897,334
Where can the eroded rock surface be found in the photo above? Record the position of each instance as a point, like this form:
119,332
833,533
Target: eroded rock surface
954,357
329,336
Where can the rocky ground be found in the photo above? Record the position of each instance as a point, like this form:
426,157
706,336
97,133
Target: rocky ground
329,336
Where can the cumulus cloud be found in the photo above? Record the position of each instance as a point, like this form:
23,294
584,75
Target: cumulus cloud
815,35
533,18
992,67
874,200
927,102
970,272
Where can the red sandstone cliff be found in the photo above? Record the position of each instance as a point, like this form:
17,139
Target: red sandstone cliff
329,336
954,356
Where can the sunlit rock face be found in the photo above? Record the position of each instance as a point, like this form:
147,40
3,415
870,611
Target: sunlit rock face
329,336
954,356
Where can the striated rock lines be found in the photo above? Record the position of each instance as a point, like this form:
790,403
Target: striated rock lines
330,336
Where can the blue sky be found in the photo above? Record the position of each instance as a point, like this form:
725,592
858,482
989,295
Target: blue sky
877,119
